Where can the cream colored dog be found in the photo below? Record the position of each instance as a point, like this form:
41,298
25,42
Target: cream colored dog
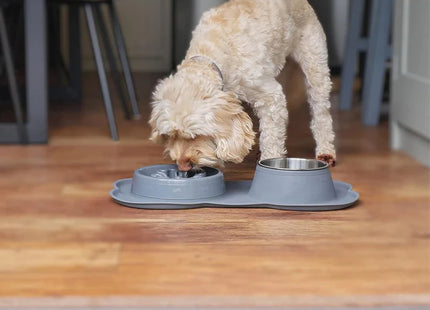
237,51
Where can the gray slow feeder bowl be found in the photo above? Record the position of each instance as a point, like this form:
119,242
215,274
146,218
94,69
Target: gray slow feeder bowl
282,183
166,182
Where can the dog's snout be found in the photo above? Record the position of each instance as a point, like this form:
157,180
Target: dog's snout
184,164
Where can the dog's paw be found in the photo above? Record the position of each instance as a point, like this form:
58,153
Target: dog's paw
329,159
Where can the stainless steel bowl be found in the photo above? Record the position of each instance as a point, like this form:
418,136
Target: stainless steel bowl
293,181
298,164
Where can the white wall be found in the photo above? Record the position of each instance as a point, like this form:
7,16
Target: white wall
146,26
147,29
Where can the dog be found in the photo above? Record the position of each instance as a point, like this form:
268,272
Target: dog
236,52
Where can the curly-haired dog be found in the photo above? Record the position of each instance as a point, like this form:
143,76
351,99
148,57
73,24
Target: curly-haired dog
237,51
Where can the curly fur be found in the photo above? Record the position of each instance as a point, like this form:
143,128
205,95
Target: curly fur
200,115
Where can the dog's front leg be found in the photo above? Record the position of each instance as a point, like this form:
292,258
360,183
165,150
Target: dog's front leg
311,54
270,106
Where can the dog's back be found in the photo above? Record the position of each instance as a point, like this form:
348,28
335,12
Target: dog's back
261,31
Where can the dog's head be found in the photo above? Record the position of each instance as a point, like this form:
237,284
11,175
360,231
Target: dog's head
199,124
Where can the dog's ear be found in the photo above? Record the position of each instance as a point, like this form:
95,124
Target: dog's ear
155,133
235,137
156,137
159,120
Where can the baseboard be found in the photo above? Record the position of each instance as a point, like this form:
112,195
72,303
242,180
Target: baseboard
410,142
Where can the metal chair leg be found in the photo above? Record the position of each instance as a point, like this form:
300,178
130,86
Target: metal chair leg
122,51
111,58
13,85
89,12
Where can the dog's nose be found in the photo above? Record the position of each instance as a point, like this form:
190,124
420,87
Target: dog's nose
184,165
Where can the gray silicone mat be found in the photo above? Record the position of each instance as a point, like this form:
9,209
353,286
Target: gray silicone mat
236,196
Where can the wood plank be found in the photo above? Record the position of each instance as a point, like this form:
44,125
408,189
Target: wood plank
38,257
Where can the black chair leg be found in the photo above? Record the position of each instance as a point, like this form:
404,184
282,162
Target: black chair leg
55,36
13,85
89,12
122,51
75,66
111,58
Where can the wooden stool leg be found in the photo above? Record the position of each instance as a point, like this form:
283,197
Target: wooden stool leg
376,61
352,49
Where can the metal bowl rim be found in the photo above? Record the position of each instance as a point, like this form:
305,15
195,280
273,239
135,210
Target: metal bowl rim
324,166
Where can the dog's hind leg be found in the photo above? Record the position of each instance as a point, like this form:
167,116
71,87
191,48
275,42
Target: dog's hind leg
270,105
311,54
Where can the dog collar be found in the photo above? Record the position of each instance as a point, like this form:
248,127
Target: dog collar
202,58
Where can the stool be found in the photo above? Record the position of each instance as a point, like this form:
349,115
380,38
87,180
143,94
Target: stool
378,50
11,76
97,27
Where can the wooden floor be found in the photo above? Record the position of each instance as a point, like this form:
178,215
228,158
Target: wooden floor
64,242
